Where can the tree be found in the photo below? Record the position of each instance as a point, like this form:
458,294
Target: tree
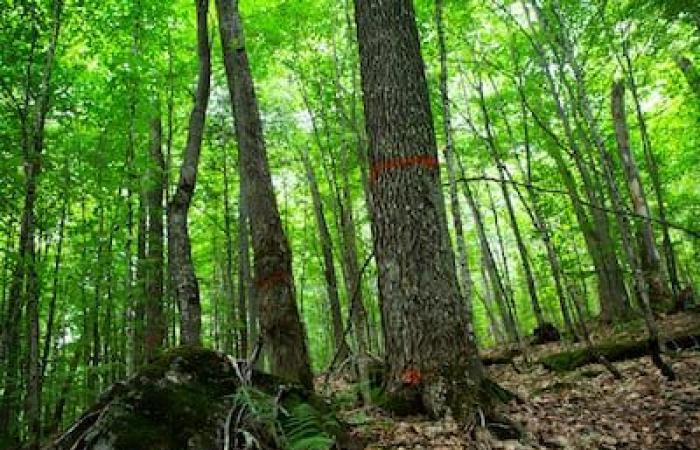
281,327
179,246
155,321
434,364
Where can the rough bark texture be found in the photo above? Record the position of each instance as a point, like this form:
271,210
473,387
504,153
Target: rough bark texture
281,327
429,355
155,320
180,260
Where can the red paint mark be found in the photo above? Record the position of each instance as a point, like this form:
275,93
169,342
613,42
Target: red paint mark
425,161
411,377
272,280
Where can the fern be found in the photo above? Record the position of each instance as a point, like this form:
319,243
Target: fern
306,428
293,425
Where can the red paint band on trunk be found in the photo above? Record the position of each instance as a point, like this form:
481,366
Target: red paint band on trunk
272,280
425,161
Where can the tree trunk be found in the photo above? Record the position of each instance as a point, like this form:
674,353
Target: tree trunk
155,320
235,326
494,149
341,346
654,175
650,257
690,72
353,280
612,293
282,329
462,255
430,357
184,277
247,300
26,268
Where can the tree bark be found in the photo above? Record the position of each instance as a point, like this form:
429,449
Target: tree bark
650,257
155,320
281,325
180,253
429,354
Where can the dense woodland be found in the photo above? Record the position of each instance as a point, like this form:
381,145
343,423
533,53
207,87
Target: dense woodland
323,187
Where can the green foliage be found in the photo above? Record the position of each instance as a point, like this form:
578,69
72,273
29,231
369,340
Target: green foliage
292,422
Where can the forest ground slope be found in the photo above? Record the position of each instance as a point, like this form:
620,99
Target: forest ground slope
583,409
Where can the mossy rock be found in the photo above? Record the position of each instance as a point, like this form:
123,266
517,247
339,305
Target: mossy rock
183,400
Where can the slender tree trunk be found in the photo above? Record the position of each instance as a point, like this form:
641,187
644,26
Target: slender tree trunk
353,279
235,325
26,271
427,343
341,346
654,175
155,319
690,72
282,329
650,257
489,261
522,249
540,223
611,288
184,278
54,286
462,255
247,299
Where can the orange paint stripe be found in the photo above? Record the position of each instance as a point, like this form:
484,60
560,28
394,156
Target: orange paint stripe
425,161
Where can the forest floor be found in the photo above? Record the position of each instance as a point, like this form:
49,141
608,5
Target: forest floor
582,409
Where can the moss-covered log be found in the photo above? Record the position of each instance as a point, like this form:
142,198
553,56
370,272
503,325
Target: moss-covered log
193,398
612,351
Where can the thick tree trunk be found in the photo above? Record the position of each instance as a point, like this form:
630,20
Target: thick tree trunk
155,319
430,356
281,325
180,260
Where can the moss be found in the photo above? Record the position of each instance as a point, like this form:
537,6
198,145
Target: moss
567,361
138,433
